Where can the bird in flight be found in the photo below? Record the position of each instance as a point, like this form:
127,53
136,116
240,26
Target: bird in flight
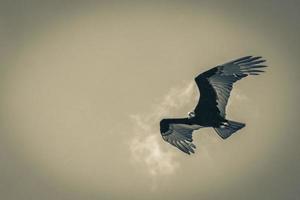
215,86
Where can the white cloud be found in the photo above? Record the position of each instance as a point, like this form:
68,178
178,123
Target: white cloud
147,147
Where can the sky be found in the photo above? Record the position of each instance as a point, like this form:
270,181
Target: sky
84,84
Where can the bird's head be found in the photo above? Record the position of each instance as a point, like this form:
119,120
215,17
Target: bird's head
191,114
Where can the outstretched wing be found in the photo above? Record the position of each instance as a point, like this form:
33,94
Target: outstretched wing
179,135
215,84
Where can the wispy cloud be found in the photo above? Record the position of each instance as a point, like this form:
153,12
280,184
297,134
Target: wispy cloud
146,146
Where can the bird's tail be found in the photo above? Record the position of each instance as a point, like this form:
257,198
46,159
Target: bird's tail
227,129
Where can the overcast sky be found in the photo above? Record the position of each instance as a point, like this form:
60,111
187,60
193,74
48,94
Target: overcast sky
84,85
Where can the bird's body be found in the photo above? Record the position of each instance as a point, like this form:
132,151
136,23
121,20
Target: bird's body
215,86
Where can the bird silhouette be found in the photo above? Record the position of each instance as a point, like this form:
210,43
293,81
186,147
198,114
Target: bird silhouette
215,86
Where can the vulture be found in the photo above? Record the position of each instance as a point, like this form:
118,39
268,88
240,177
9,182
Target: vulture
214,86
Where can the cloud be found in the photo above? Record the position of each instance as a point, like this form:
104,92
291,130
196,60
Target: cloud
147,147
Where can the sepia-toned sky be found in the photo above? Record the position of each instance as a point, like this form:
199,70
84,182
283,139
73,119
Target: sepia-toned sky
84,84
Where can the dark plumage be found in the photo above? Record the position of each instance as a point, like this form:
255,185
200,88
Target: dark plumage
215,86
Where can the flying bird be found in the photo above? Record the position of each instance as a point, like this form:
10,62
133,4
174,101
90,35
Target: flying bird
215,86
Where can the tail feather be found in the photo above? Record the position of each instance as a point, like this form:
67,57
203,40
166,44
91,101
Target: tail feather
227,130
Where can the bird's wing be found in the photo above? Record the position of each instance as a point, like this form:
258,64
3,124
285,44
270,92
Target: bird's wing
180,135
215,84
